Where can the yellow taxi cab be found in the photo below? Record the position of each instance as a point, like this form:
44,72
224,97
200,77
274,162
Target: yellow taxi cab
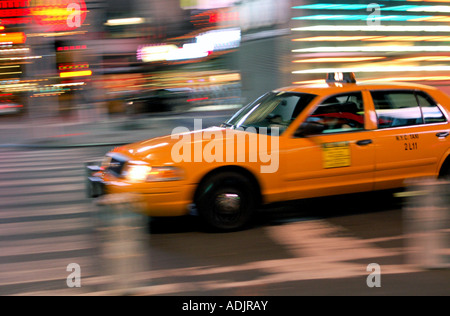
291,143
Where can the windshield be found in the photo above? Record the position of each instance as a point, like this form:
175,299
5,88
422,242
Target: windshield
272,110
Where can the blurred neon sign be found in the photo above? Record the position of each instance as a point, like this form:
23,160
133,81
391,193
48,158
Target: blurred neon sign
220,16
153,53
15,12
73,66
205,44
63,15
79,73
13,38
74,47
74,70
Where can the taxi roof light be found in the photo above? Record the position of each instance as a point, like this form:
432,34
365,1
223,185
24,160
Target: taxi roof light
341,77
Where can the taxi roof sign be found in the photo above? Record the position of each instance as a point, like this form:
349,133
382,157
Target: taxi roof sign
341,77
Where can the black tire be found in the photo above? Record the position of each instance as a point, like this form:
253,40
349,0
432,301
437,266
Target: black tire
444,173
178,106
226,201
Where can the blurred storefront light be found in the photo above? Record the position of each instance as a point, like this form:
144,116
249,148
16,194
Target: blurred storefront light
337,59
80,73
373,69
13,38
205,44
393,48
384,79
401,8
374,28
363,17
155,52
189,51
374,38
221,39
411,36
329,6
125,21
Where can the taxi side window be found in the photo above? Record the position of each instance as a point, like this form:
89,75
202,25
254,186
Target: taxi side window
430,110
405,108
340,113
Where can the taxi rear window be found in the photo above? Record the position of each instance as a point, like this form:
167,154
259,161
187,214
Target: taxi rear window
430,110
405,108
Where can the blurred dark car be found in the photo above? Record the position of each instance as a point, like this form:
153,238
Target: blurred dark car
175,100
8,107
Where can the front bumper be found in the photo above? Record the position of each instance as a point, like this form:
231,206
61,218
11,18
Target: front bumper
163,199
95,186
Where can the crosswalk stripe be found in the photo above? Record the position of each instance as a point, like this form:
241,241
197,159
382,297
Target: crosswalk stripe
45,270
39,218
42,199
32,169
50,255
44,226
39,154
62,188
38,245
60,233
7,176
13,164
41,181
33,155
45,154
46,210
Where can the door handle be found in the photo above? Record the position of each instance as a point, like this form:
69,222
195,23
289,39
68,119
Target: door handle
364,142
442,134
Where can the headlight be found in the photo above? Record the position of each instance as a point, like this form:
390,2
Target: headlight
145,173
137,173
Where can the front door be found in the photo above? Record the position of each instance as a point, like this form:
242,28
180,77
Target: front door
339,158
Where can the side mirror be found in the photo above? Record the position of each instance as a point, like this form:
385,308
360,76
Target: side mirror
309,128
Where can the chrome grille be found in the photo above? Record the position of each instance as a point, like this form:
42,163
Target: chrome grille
116,165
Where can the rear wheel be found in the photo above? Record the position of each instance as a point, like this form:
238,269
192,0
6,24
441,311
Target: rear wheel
226,201
444,173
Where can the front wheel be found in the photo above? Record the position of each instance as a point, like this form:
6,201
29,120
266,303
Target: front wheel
226,201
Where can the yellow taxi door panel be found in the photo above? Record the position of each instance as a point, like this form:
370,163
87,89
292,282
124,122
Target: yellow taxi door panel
411,136
410,152
339,156
329,164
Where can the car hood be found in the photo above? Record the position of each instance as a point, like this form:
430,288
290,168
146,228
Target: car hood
162,149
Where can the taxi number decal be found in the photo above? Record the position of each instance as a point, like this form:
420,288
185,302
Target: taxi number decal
409,141
336,155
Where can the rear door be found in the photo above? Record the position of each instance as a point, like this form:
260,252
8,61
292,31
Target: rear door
411,136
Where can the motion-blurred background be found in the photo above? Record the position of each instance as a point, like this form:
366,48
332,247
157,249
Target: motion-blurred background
113,56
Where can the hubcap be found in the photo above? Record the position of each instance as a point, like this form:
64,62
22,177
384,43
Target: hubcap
228,203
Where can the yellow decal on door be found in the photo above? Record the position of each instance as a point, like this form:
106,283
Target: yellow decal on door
336,155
